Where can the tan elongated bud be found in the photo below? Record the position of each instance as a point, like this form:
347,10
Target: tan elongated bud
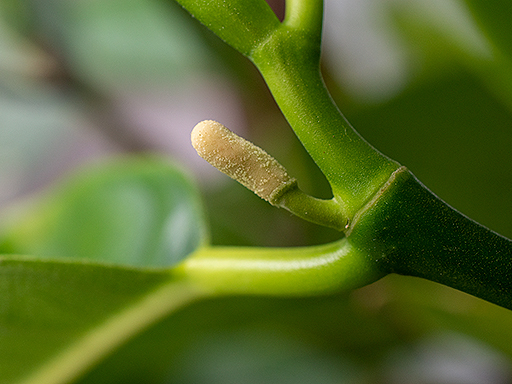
241,160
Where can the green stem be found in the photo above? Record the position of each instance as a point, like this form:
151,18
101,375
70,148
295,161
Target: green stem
396,224
323,212
243,24
289,62
313,270
305,15
288,56
410,231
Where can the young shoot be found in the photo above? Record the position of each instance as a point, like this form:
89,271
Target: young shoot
258,171
241,160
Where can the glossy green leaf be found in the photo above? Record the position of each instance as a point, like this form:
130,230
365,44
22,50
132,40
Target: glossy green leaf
133,211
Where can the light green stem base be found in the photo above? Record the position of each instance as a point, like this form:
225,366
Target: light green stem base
330,268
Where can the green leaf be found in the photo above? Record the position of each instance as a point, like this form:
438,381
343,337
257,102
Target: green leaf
58,318
132,211
248,340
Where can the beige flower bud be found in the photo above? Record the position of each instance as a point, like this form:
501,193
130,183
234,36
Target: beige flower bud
241,160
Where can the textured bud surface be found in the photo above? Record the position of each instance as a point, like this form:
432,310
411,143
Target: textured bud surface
241,160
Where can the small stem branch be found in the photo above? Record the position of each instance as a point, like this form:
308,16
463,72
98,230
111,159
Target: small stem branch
324,212
255,169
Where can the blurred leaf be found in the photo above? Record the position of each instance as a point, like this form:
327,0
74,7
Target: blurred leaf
59,318
417,301
248,340
133,211
445,35
349,337
118,44
493,17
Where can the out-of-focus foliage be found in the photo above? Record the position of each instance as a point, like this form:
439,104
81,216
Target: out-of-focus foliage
136,211
94,271
429,83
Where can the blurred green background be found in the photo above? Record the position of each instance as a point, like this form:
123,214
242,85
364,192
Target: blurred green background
429,83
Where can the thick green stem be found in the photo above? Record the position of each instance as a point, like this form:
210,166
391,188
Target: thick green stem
408,230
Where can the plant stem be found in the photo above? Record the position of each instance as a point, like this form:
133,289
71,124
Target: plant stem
306,15
329,268
288,56
396,225
289,62
318,211
408,230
